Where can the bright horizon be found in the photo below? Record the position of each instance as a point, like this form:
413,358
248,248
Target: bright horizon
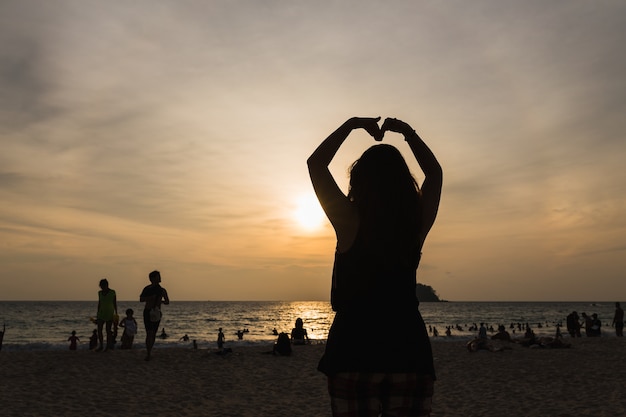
174,136
315,301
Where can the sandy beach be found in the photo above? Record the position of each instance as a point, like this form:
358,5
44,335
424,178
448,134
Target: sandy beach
587,379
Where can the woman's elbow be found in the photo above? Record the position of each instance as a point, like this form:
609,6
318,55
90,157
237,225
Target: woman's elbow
311,163
435,173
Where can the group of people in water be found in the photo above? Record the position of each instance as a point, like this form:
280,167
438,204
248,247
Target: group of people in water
108,320
591,325
282,346
529,339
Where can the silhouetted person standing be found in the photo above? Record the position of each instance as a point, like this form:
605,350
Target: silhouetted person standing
73,339
618,320
381,226
107,310
482,331
220,340
153,295
573,324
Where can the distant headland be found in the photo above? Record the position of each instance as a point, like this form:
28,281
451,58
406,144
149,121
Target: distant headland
426,294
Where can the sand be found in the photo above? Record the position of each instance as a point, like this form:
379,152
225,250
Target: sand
586,380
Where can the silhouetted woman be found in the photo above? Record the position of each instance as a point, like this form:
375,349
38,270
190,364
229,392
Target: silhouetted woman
107,309
299,335
378,356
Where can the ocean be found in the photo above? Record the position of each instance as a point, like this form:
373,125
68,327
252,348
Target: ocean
46,325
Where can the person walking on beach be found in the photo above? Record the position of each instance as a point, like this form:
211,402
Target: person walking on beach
129,324
107,310
153,296
618,321
381,226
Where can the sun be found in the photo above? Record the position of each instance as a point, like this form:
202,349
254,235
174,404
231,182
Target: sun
308,213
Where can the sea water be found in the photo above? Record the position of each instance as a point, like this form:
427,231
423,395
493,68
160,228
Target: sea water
46,325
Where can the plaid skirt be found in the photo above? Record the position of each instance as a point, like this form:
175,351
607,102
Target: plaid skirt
367,394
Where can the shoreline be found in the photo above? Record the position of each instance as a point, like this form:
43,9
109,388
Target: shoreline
173,343
584,380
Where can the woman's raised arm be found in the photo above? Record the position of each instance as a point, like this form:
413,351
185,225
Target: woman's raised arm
431,187
333,200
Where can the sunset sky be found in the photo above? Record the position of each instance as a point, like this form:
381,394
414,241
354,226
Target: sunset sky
173,135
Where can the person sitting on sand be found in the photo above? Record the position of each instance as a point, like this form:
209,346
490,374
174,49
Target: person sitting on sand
93,340
282,346
552,343
529,334
479,343
298,334
502,334
596,326
163,335
529,339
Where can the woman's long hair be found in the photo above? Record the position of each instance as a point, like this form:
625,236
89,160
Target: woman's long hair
389,204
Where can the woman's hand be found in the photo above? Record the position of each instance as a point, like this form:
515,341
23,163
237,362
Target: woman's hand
396,125
370,124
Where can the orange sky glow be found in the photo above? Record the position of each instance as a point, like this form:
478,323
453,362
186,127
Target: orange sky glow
174,136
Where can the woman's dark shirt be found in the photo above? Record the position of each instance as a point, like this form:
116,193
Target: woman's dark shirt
377,325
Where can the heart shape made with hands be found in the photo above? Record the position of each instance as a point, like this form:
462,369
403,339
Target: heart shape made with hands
390,124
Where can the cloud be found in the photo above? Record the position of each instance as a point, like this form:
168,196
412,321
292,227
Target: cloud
177,133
